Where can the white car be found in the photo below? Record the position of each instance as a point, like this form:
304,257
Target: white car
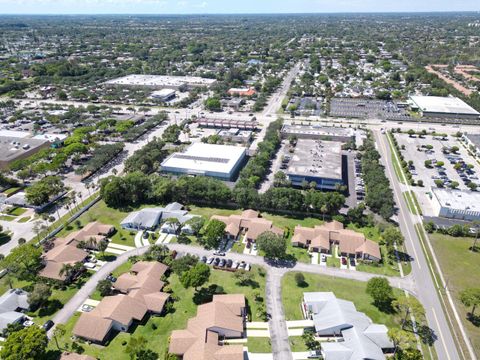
247,267
28,323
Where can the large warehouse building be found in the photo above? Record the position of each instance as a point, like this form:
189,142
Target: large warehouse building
161,81
219,161
16,145
456,204
443,107
317,161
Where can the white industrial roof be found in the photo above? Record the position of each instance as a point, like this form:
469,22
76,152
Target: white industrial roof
457,199
163,92
439,104
161,80
201,158
50,137
15,134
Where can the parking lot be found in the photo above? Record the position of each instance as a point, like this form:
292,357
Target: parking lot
444,168
362,108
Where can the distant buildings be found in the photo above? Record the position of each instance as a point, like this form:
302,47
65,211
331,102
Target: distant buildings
228,124
16,148
315,132
219,161
241,92
223,318
332,317
473,142
161,81
150,218
443,107
350,243
456,204
316,161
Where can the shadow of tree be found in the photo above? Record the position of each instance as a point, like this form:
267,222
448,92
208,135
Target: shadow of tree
4,238
205,294
474,319
51,307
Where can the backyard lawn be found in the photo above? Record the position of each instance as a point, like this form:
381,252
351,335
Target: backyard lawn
259,345
108,216
461,267
157,329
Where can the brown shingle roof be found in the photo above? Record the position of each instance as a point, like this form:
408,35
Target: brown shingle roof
248,221
142,287
349,241
92,327
199,341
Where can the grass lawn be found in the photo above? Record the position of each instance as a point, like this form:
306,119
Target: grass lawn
411,201
333,261
157,329
238,247
24,219
12,191
461,267
396,165
297,344
259,345
7,218
108,216
17,211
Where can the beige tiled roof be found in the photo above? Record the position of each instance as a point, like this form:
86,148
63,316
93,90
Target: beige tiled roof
349,241
250,222
92,327
199,341
140,294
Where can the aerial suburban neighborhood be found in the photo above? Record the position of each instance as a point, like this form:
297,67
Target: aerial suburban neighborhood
271,180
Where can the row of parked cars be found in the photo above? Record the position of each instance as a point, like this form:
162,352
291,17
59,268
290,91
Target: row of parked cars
226,263
359,183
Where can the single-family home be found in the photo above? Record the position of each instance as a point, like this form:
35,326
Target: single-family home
350,243
150,218
359,337
12,305
249,223
223,318
139,294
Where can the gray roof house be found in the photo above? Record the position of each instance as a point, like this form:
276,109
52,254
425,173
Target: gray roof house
11,305
361,339
150,218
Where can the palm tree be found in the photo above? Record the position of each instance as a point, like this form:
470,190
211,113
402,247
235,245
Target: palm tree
65,270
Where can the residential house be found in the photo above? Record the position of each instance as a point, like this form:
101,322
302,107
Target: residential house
223,318
332,317
150,218
12,305
66,250
248,223
350,243
139,294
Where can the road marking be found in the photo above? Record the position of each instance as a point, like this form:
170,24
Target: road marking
441,334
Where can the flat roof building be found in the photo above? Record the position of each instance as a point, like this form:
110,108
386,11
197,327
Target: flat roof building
456,204
438,106
16,148
316,161
218,161
163,94
228,124
318,132
161,81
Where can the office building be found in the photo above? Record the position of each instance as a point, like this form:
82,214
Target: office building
456,204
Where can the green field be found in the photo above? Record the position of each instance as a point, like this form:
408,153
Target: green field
461,267
158,328
412,202
297,344
396,165
259,345
102,213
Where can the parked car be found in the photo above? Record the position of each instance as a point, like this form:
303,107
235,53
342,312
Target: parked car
242,265
48,325
203,259
146,235
216,261
87,308
210,260
219,253
111,278
28,323
229,263
247,267
222,263
234,265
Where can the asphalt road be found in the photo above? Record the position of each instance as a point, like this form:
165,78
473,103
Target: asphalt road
426,289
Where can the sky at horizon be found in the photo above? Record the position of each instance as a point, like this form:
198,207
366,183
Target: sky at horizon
229,7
